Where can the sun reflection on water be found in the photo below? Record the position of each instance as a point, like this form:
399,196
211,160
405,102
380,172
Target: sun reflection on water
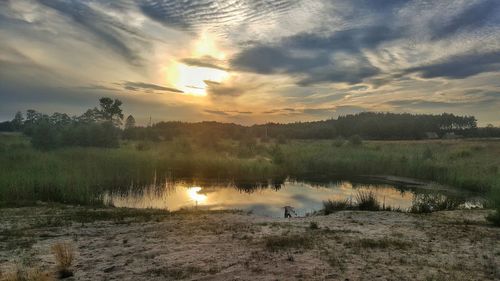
195,196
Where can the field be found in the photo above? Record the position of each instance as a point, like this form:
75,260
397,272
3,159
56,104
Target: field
81,175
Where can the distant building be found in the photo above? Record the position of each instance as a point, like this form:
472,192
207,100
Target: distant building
431,135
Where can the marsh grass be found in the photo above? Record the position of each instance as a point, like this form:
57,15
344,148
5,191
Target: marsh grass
332,206
83,175
432,202
365,200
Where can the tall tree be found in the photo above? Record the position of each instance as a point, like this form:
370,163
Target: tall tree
110,110
130,122
18,121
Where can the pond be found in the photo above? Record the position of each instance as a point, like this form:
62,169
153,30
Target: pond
269,200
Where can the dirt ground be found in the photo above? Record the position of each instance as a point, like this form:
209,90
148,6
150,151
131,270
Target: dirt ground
124,244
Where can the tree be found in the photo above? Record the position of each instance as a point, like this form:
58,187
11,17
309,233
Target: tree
90,116
130,122
110,110
18,121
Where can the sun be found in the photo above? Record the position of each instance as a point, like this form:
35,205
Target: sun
191,79
193,194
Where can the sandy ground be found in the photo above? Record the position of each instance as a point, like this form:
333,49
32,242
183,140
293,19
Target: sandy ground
114,244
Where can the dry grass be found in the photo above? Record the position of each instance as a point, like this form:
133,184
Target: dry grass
27,274
64,254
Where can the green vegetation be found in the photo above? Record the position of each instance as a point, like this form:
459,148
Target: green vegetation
431,202
82,175
495,203
78,159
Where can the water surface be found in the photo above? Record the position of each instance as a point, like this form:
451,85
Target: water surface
268,200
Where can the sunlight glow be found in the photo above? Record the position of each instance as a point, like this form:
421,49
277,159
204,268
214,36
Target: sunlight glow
191,79
193,194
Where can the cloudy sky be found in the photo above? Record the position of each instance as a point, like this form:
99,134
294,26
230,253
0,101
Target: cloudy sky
251,61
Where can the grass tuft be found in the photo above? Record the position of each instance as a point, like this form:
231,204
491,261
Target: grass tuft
64,254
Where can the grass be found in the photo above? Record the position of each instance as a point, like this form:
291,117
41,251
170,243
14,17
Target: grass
495,204
384,243
64,255
288,241
431,202
23,273
365,200
332,206
82,175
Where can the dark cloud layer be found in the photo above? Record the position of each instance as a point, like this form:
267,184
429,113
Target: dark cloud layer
206,61
136,86
461,66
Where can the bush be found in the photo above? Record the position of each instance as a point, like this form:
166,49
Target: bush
338,142
355,140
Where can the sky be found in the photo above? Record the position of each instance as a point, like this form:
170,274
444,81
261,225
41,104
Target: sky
251,61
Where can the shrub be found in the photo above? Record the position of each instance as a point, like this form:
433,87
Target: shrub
355,140
338,142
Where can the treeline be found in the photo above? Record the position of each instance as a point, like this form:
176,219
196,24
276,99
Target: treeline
368,125
99,127
102,127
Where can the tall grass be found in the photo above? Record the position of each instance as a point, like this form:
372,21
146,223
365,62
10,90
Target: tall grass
82,175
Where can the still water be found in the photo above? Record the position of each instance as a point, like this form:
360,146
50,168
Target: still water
267,200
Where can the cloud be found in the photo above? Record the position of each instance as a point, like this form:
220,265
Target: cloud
205,61
137,86
337,57
471,17
114,34
460,66
216,112
193,14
